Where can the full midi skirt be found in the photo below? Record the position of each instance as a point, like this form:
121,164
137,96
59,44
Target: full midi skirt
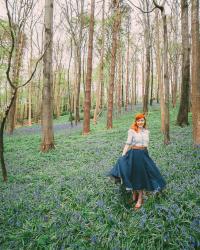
137,171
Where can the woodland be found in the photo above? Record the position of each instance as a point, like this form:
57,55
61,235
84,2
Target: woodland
73,75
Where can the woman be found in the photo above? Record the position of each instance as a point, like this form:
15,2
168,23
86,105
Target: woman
135,168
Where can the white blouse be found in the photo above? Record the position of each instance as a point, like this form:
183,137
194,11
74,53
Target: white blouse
138,139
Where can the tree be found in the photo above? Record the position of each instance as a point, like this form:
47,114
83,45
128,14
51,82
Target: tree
87,102
116,22
47,108
182,118
127,63
74,15
101,66
166,74
147,39
13,84
195,72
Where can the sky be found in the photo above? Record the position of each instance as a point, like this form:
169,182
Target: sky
62,36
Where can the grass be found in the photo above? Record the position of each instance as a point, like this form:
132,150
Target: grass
62,199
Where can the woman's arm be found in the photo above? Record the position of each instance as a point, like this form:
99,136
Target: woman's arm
128,142
125,149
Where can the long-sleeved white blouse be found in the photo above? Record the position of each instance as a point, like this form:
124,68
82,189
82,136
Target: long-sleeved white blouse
138,139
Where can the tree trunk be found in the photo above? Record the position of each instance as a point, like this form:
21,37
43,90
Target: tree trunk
166,82
158,67
87,102
132,83
100,81
119,85
135,85
68,86
143,75
47,107
127,68
151,98
113,62
147,49
182,118
175,80
30,87
78,84
195,72
2,125
16,70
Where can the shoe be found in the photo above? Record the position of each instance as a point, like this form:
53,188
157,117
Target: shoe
138,205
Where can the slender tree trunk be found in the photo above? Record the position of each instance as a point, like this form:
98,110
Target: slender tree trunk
175,24
30,85
151,98
166,75
16,71
122,59
79,55
47,107
119,86
158,66
135,85
132,84
143,75
77,112
195,72
127,69
100,81
175,80
166,81
113,62
2,125
182,118
147,49
87,103
68,86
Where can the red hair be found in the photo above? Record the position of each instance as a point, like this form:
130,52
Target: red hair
134,125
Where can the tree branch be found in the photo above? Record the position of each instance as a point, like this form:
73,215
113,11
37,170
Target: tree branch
35,68
12,47
161,7
140,8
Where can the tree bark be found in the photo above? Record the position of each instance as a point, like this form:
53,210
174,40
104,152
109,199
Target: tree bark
166,75
182,118
100,81
113,62
119,82
2,125
19,45
30,87
151,98
47,107
166,82
87,102
195,72
127,68
147,49
158,66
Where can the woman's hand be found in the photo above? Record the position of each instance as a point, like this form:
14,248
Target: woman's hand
125,149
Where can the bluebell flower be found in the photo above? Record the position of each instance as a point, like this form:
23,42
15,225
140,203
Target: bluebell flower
100,203
93,239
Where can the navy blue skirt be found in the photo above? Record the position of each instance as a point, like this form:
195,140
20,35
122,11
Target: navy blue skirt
137,171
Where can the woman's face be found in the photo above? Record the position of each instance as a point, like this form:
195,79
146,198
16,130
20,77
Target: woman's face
140,122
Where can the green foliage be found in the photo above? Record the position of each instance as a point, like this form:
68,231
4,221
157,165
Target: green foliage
62,199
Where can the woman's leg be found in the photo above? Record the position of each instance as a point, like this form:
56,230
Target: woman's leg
140,200
135,195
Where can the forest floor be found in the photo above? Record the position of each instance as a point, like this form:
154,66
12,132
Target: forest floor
63,199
